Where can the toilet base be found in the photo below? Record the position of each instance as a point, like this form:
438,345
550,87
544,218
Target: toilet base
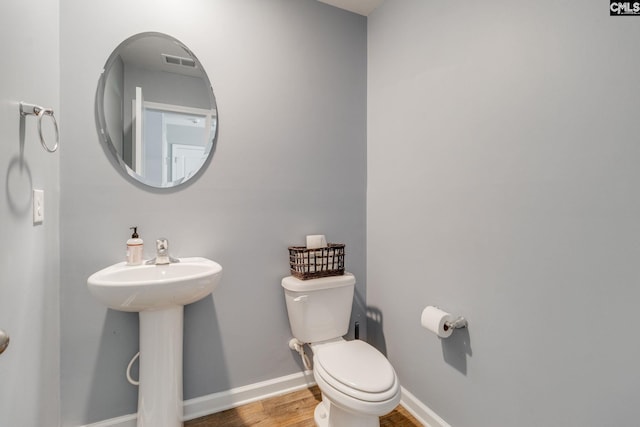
327,414
321,415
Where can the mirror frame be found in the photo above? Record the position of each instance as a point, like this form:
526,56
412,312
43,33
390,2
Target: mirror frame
101,123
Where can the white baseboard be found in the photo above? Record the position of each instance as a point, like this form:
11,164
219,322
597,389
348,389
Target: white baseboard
124,421
216,402
420,411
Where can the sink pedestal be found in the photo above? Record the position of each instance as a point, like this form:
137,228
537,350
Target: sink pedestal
160,389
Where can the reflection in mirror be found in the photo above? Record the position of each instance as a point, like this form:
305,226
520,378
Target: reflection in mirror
156,110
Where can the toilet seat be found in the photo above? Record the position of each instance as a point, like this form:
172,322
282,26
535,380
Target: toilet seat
356,369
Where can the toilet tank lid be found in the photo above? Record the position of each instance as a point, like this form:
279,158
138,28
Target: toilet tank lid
294,284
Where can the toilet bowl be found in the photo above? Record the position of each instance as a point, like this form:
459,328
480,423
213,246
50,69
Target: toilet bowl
357,382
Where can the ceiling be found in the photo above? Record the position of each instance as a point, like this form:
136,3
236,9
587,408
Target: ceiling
361,7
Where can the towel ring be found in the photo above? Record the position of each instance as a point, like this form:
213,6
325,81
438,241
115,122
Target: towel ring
40,112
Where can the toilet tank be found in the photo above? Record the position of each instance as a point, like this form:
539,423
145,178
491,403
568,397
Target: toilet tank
319,309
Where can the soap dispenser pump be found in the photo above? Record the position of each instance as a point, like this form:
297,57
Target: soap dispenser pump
134,248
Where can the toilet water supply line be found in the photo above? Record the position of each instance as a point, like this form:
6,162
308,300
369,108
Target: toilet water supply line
298,346
131,380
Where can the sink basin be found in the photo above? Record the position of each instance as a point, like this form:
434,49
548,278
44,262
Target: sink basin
152,287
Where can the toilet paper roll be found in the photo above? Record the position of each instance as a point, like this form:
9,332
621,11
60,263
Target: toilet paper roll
434,320
316,241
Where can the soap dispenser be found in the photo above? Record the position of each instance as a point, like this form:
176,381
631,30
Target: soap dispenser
134,248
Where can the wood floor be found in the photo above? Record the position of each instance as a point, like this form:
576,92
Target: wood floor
290,410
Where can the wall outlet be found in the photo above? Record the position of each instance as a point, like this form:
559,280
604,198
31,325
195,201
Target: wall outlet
38,206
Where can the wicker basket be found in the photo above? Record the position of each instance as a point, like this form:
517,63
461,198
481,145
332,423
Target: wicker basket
313,263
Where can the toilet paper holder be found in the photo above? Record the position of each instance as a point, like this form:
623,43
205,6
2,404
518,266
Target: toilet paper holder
440,322
459,323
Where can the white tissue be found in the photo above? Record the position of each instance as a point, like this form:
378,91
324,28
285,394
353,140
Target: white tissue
434,320
316,241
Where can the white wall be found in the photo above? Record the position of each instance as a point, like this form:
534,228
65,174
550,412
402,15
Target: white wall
504,185
29,254
290,82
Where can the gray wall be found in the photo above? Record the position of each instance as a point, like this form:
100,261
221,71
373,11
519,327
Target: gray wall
290,82
504,185
29,254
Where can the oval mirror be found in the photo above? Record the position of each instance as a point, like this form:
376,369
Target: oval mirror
156,111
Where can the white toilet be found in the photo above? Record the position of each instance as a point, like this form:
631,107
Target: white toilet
357,382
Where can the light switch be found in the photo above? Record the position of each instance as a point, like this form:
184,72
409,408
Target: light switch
38,206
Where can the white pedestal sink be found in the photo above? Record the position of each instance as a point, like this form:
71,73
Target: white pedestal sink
159,293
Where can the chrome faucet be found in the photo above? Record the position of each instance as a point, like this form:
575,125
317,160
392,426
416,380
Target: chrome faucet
162,253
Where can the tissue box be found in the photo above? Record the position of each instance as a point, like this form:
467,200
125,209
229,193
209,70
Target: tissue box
320,262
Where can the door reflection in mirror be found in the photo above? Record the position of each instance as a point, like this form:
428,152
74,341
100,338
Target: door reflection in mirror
175,141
